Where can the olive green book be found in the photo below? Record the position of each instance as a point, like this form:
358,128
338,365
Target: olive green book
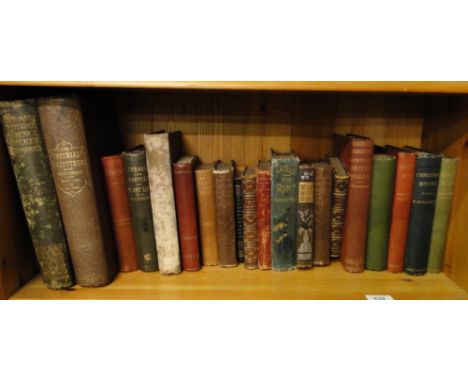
443,206
383,174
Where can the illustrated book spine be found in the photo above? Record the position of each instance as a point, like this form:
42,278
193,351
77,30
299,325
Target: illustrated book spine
21,128
305,216
249,206
238,200
264,214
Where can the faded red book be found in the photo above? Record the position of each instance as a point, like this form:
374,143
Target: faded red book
187,212
264,214
120,211
356,153
404,177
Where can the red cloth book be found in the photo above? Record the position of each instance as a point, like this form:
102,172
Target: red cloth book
264,214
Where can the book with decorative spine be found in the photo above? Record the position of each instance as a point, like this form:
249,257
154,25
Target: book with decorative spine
136,175
25,144
284,182
163,149
339,195
238,171
305,216
249,216
264,214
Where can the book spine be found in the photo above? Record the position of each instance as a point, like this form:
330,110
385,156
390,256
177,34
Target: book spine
225,222
406,163
340,193
37,192
187,216
158,162
206,215
383,170
322,214
239,219
353,251
448,170
284,180
249,205
305,218
264,219
140,207
67,149
120,211
422,214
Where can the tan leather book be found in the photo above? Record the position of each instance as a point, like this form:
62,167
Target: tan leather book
225,222
249,217
206,213
81,200
163,149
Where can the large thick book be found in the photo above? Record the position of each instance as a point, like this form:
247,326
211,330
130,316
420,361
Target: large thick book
305,216
225,221
238,171
163,149
383,174
401,205
339,196
323,173
448,170
426,180
207,213
114,174
356,153
284,182
80,195
186,206
140,206
249,217
26,148
264,214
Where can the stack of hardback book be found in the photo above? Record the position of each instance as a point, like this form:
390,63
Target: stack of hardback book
153,208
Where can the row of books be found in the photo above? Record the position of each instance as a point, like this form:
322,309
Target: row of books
373,207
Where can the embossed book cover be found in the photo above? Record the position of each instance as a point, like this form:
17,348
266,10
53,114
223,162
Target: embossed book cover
305,216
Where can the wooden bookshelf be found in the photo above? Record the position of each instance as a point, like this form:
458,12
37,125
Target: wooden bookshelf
242,121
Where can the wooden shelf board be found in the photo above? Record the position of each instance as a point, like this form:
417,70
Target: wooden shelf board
326,86
238,283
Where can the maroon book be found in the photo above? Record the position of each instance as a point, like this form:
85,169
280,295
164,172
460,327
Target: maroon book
187,212
264,214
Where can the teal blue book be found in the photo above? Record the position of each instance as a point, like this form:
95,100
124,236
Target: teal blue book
284,184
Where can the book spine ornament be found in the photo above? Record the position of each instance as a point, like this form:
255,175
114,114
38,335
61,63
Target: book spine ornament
264,217
140,207
305,217
249,205
322,213
86,226
27,151
238,216
340,193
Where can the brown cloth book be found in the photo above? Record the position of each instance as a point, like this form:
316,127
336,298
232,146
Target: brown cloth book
114,174
187,212
87,224
264,214
225,223
206,213
356,153
249,215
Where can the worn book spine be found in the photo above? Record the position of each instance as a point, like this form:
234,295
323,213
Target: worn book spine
264,214
36,188
207,214
405,166
238,215
383,170
448,170
225,221
339,196
187,213
305,217
120,210
249,205
86,225
426,180
323,173
140,207
159,163
284,181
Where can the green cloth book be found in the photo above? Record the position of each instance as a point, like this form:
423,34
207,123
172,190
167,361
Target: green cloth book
383,174
448,170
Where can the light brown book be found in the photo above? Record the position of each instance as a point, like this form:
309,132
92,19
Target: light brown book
249,217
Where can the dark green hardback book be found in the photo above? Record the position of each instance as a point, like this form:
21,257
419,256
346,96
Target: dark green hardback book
380,209
140,206
305,216
425,185
23,136
239,215
284,183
